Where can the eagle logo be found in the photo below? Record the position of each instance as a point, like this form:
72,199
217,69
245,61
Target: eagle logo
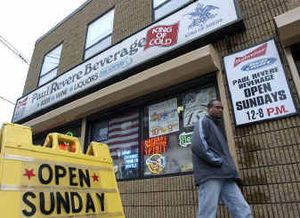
201,15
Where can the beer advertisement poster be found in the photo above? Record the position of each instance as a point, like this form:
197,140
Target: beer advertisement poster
258,85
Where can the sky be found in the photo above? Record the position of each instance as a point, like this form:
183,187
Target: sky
21,24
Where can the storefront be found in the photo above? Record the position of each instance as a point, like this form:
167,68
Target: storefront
143,93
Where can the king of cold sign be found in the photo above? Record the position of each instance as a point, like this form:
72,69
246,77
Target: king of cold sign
258,85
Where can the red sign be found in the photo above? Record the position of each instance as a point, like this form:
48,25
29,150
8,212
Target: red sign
164,35
156,145
260,51
22,102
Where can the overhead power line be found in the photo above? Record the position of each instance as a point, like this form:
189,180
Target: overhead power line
13,49
5,99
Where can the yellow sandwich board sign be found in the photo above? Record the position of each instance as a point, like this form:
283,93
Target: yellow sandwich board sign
55,180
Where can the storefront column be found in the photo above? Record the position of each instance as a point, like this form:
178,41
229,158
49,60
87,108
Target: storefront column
288,26
293,68
226,115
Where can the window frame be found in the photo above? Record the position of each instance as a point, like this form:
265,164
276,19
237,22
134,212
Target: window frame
105,117
42,74
85,49
171,12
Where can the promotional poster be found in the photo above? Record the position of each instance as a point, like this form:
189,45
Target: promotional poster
258,84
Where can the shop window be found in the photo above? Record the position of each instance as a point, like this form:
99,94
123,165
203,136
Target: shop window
168,128
99,35
50,65
72,131
295,49
156,141
121,133
162,8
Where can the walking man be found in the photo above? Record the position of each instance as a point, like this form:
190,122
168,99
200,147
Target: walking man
215,173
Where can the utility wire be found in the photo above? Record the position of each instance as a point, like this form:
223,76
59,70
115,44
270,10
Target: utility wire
13,49
5,99
16,52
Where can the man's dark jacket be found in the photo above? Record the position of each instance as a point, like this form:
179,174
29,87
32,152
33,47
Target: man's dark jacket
210,152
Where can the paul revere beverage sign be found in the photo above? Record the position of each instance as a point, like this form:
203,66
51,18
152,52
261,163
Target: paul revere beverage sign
258,85
193,22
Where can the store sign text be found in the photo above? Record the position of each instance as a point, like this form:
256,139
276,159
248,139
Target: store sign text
186,25
57,201
162,36
258,85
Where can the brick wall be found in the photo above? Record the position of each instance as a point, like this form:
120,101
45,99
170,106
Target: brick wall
268,153
293,3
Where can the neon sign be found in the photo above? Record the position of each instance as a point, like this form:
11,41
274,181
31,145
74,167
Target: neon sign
156,145
156,163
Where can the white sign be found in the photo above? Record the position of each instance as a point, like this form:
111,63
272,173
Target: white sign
163,118
190,23
257,83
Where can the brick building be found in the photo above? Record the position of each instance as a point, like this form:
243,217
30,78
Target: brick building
136,74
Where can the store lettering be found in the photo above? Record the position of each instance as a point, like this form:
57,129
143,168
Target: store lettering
260,89
49,203
257,78
62,201
57,85
257,90
261,100
60,172
160,41
86,82
165,35
276,110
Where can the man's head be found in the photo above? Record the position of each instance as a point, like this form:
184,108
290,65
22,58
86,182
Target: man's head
215,108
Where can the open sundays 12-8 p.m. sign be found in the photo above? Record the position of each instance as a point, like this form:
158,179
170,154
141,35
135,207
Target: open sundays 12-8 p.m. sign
257,83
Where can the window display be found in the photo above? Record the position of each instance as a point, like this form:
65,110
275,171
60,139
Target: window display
166,146
195,103
73,130
160,144
166,156
163,118
122,136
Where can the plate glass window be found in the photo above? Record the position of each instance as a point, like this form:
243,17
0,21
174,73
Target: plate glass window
168,131
121,134
74,130
50,65
154,139
99,35
163,7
